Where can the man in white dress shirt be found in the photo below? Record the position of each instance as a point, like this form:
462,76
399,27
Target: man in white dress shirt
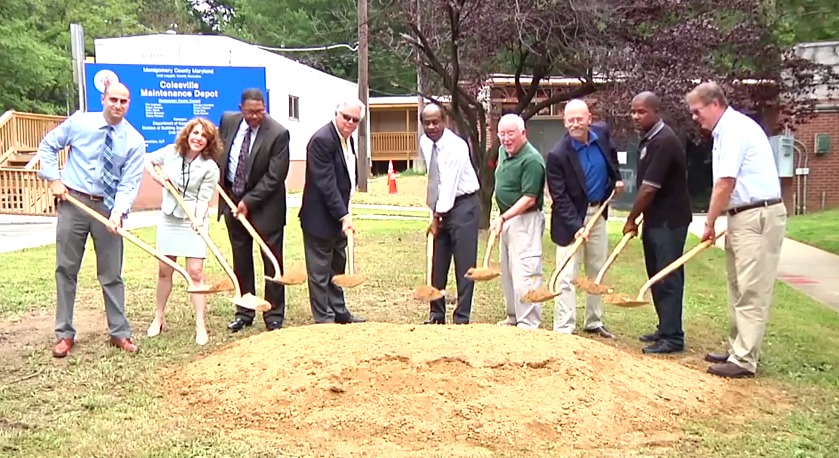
453,197
747,189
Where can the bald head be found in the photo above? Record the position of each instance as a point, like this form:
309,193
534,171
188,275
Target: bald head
577,119
645,111
115,101
649,100
433,121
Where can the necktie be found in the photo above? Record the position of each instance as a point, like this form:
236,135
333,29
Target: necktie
109,177
239,179
433,179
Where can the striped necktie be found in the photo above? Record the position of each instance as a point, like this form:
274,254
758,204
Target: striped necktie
433,179
109,176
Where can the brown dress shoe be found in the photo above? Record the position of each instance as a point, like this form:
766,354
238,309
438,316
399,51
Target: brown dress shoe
62,348
721,357
124,344
602,332
729,370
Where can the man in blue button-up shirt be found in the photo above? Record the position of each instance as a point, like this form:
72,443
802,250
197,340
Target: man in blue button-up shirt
103,171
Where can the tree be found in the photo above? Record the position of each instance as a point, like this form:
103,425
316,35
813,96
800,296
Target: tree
615,49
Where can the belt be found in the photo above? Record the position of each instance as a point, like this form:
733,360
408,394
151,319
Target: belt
465,196
82,194
762,203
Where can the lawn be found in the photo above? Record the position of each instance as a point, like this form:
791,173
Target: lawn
103,403
817,229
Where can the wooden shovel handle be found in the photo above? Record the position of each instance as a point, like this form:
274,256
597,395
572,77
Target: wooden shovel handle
618,249
132,238
578,243
676,264
490,241
350,253
254,235
207,240
429,254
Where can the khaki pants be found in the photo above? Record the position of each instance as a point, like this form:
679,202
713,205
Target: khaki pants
593,253
521,267
752,247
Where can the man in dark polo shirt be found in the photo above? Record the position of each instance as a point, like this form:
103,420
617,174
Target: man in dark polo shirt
519,194
664,201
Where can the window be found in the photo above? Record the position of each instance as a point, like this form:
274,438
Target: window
294,107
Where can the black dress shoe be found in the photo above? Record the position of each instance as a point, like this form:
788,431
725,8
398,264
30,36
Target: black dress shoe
352,319
434,321
654,337
273,326
238,324
602,332
663,347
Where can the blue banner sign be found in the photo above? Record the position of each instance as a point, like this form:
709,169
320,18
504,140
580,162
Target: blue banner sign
165,97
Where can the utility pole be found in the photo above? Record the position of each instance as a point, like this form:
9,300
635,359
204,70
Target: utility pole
420,162
363,89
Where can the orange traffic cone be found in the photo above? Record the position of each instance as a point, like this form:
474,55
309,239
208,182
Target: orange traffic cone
391,178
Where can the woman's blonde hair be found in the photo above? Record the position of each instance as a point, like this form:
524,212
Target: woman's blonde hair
213,148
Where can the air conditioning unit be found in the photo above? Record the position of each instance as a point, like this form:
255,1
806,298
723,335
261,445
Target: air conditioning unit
783,147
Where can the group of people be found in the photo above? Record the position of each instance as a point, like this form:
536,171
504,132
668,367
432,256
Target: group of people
580,173
247,157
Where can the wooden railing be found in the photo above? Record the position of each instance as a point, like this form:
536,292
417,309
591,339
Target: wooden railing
394,146
21,191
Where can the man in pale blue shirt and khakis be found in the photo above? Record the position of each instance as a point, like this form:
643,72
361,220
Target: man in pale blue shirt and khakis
103,171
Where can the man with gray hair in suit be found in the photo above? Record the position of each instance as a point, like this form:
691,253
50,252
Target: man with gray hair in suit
331,177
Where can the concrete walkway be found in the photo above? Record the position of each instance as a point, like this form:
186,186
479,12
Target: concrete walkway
810,270
807,269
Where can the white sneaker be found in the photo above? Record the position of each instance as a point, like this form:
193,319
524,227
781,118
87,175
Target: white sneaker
506,322
154,328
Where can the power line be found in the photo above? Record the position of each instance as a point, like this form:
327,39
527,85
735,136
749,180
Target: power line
353,47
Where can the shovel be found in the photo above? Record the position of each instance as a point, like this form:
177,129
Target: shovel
596,287
248,301
427,292
545,294
622,300
292,276
350,279
192,288
484,273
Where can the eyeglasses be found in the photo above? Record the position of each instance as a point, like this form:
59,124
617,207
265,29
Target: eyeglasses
698,110
349,118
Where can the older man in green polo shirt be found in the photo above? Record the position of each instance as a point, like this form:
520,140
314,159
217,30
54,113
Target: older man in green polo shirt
519,194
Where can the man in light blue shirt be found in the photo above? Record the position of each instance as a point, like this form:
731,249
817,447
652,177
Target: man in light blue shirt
103,171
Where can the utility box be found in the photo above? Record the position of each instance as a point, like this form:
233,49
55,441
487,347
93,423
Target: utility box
783,147
822,144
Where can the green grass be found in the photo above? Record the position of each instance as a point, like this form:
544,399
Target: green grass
816,229
102,403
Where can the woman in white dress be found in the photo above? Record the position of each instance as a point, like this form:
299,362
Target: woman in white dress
189,164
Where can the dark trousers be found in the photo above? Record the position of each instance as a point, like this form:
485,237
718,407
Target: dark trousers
326,258
458,238
662,246
243,266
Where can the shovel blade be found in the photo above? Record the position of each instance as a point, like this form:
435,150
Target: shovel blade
624,301
538,295
481,273
348,281
427,293
251,302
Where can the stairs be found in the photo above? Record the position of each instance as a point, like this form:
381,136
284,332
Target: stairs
21,158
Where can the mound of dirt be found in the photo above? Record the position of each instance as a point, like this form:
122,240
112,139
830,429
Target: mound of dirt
380,389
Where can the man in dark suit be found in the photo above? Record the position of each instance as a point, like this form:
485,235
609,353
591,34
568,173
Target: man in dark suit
331,174
582,171
254,165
